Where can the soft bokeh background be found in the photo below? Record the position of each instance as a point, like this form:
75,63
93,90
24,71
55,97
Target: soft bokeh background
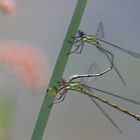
44,23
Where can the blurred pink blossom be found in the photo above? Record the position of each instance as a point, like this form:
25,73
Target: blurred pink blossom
8,7
27,62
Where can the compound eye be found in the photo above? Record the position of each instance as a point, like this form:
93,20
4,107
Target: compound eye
62,82
80,33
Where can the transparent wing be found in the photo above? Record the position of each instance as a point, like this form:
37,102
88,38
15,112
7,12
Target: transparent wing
134,54
114,95
103,111
111,104
83,81
106,114
116,69
93,69
100,31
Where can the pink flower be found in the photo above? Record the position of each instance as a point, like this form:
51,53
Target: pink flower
27,62
8,6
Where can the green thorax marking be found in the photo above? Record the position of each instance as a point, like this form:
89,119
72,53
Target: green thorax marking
92,40
74,86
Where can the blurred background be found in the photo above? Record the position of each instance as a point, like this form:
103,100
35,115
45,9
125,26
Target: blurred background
43,24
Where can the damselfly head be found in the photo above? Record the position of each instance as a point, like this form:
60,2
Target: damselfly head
81,33
59,83
62,82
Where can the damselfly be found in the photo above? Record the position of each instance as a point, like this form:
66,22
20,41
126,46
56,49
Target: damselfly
94,40
71,84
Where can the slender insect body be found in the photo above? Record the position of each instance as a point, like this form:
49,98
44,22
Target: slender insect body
91,94
66,85
73,85
92,40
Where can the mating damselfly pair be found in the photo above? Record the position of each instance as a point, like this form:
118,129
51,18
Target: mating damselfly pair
78,82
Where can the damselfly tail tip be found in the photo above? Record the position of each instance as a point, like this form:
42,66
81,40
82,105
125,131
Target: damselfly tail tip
138,117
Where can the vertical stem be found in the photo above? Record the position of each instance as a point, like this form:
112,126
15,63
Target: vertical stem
6,112
58,71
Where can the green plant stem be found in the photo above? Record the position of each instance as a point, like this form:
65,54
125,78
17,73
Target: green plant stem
6,112
58,71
